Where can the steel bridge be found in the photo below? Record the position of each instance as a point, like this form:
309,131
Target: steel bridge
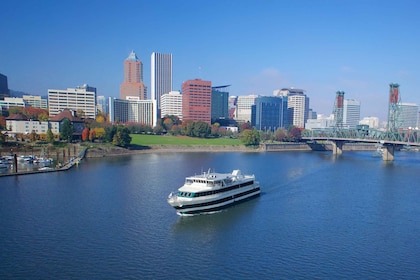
386,139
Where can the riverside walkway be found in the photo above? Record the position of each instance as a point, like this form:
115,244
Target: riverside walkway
68,165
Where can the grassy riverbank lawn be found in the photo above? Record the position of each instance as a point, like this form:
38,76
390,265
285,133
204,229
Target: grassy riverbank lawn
147,140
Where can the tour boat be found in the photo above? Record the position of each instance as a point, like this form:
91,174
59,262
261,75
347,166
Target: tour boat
210,192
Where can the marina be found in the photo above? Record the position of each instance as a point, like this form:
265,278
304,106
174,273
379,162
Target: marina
13,165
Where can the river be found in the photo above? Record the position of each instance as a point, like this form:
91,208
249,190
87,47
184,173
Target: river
318,217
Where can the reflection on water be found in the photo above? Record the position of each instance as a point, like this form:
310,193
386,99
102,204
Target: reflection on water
318,216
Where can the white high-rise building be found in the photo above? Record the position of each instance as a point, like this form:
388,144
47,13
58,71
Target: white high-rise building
299,103
132,109
81,98
351,113
171,104
244,105
409,115
161,77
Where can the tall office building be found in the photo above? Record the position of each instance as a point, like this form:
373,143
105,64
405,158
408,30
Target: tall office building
101,104
232,106
408,115
243,107
4,88
270,113
351,113
196,100
219,103
133,78
171,104
298,104
161,77
81,98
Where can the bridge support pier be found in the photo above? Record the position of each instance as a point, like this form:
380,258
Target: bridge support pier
388,153
337,147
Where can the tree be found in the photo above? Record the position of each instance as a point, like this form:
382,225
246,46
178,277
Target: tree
85,134
167,123
43,117
250,137
2,138
50,136
122,137
295,134
109,133
158,129
33,136
187,128
280,135
67,130
99,132
201,129
92,135
245,126
2,122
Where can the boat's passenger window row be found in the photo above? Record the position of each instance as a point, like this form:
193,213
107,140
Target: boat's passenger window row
186,194
224,189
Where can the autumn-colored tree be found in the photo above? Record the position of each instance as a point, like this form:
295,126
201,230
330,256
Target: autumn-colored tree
43,117
85,134
100,119
245,126
99,132
295,133
92,135
2,122
33,136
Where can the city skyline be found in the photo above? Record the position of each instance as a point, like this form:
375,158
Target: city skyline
359,47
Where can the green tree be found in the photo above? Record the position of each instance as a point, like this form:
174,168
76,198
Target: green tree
50,136
187,128
66,132
250,137
109,133
122,137
2,138
201,129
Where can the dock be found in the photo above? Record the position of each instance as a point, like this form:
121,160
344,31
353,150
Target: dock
68,165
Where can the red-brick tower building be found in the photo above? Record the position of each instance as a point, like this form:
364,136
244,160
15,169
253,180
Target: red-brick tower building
196,100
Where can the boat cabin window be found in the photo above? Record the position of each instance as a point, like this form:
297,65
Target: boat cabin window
186,194
188,181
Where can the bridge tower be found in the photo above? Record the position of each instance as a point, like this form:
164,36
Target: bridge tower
338,110
394,107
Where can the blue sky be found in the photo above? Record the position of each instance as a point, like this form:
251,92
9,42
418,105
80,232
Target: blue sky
254,46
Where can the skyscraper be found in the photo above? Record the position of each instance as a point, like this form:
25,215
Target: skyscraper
4,89
270,113
161,77
409,115
351,113
133,78
219,103
196,100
